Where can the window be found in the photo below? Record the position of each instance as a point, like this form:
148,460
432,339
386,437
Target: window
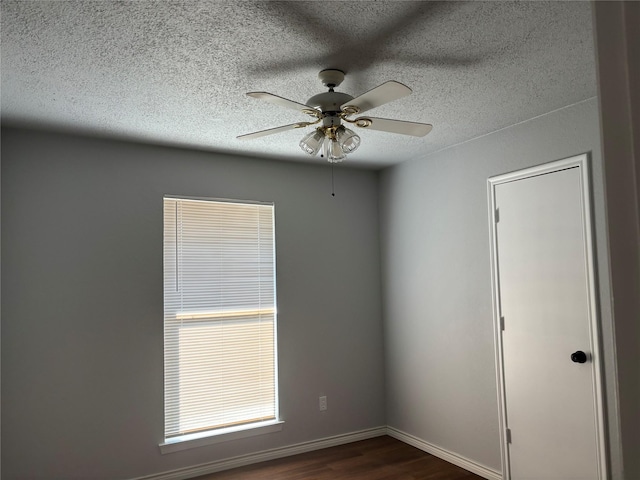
219,317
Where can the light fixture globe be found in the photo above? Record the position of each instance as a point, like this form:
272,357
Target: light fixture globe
348,139
335,153
312,142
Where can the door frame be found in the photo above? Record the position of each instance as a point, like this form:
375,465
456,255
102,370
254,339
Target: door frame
582,162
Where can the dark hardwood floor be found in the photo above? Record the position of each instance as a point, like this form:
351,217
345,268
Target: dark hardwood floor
380,458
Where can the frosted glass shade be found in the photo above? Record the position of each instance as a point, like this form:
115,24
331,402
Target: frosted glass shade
336,154
347,139
312,142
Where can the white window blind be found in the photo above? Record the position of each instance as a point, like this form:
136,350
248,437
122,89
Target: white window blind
219,315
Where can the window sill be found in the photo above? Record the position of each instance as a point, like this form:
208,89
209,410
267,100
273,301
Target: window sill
195,440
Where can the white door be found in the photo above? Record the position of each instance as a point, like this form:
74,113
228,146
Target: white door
546,325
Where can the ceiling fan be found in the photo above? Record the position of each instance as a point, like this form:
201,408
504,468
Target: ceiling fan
331,109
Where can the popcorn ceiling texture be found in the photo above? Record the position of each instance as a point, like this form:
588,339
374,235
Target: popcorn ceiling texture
176,73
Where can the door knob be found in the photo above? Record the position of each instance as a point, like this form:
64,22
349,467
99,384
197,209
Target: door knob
579,357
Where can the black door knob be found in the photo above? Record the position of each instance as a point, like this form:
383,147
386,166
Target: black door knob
579,357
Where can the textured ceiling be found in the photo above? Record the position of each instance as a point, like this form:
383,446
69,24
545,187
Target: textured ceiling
176,73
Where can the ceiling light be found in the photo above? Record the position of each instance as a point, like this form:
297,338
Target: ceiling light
333,108
348,139
336,141
312,142
336,154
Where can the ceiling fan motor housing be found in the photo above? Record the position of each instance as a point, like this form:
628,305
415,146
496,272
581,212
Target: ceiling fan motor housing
329,101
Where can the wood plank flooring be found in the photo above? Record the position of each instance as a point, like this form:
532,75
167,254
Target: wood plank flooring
380,458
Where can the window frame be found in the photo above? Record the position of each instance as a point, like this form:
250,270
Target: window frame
221,433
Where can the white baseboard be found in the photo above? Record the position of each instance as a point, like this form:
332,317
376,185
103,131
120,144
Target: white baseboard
265,455
272,454
446,455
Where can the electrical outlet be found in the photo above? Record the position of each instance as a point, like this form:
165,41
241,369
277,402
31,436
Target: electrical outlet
323,403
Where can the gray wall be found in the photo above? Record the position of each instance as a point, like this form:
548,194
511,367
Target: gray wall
441,381
82,295
82,301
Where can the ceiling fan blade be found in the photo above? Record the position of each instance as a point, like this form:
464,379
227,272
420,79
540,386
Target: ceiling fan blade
385,93
271,131
394,126
280,101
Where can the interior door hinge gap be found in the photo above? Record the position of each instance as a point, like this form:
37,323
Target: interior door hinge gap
501,323
508,435
497,215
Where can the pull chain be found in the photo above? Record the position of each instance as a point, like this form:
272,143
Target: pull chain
333,193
